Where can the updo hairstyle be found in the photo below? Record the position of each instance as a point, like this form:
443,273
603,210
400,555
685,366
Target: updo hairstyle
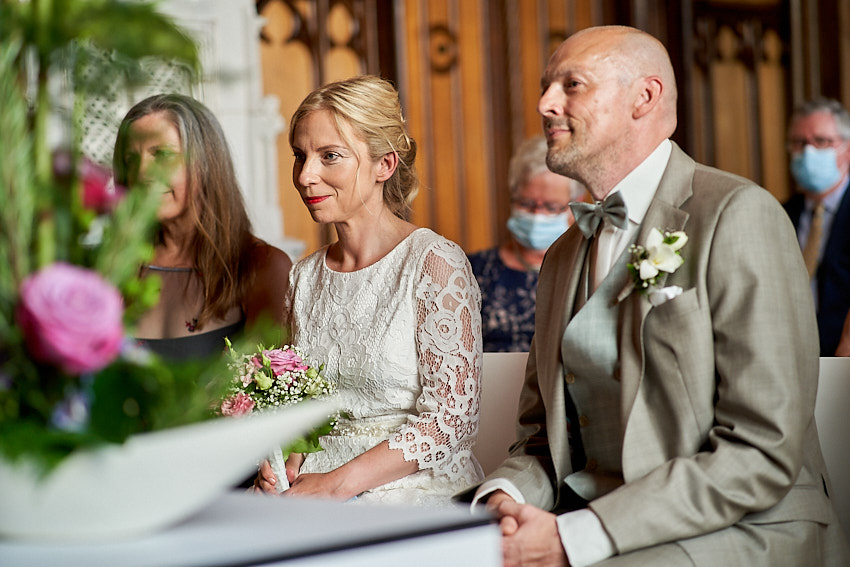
371,107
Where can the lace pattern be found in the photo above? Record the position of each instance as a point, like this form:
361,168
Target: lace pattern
402,338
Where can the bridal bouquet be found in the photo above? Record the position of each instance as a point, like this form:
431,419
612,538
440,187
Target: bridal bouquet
274,378
71,243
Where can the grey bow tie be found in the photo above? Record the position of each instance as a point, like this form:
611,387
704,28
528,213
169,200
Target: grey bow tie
588,216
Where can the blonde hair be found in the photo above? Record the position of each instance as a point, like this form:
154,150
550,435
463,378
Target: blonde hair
371,107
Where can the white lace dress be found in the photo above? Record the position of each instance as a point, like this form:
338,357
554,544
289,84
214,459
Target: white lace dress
402,339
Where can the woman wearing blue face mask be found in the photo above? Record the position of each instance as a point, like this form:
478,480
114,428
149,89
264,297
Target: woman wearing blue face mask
819,148
507,274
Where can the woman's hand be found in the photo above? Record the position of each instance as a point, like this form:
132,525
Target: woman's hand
293,466
377,466
266,479
320,485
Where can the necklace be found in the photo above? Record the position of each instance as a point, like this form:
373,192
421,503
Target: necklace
168,268
191,325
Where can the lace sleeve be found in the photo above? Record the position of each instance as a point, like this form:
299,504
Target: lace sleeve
448,334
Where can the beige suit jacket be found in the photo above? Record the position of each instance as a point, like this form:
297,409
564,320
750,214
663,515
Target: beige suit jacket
717,385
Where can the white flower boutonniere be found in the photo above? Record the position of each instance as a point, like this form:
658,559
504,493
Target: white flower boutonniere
661,254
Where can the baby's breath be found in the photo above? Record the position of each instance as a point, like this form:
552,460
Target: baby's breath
273,379
287,388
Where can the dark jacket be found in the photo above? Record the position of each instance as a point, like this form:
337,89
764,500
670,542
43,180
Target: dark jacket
833,272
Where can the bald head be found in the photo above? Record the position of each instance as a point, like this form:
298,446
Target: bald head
637,55
609,99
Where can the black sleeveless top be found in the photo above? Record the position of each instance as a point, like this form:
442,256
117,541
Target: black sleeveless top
198,346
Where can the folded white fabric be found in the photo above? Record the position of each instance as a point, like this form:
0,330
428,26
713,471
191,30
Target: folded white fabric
663,295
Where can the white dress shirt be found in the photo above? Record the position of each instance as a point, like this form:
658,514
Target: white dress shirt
582,535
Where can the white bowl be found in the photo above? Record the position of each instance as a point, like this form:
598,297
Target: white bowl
149,482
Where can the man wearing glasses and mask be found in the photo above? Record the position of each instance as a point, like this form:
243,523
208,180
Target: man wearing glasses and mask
819,146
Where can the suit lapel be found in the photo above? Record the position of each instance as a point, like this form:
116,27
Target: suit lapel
566,259
664,213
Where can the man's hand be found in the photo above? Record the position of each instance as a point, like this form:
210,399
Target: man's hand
506,523
535,540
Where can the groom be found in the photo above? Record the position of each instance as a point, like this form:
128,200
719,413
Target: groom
670,424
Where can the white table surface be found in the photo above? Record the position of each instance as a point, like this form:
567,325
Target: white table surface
244,529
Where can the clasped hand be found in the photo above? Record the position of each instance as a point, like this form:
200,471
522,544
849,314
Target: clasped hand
316,485
529,535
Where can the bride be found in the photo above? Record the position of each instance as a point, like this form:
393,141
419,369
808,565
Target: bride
393,310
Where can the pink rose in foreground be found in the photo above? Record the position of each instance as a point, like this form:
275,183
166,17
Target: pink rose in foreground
284,361
99,192
71,317
237,405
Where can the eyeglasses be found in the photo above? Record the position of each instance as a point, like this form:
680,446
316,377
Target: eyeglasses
798,144
533,206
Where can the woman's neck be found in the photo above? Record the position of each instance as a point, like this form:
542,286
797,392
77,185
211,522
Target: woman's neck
172,250
518,257
361,244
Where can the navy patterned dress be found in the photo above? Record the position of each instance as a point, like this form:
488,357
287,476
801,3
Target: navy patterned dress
508,298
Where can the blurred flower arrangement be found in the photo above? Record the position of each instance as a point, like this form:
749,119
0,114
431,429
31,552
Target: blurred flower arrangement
274,378
71,244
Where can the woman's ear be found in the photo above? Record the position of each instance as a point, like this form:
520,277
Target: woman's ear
386,166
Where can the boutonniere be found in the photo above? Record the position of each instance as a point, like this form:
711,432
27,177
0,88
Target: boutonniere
661,254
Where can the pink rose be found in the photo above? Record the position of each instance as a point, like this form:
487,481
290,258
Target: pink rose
284,361
71,317
237,405
99,192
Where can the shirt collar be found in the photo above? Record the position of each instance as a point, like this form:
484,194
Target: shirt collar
831,201
639,186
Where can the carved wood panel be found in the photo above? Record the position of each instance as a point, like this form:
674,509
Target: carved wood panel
739,85
305,44
469,76
443,81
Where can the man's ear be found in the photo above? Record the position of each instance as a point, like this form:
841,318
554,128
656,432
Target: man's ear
648,96
386,166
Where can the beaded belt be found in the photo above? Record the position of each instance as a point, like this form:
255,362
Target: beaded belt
368,427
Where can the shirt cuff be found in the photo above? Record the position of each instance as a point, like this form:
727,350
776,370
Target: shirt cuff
494,485
583,537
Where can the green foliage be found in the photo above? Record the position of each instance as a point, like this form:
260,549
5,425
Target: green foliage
126,244
310,443
16,186
92,45
114,34
130,398
44,448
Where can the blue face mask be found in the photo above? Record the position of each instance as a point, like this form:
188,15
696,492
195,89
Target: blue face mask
534,231
815,170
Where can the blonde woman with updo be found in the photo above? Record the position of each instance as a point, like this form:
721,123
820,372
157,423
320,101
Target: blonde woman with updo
392,309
